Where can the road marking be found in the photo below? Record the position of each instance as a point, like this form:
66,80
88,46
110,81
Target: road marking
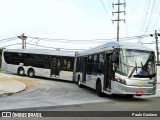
158,89
5,75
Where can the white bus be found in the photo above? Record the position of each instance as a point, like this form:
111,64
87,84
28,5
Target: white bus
38,62
117,68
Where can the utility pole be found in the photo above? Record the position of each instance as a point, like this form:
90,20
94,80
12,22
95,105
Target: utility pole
23,38
118,16
156,38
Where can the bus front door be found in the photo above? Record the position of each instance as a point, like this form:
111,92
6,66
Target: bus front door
55,65
108,72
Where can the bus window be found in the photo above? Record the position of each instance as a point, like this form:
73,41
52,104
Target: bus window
64,63
95,59
89,65
30,57
47,62
20,57
68,65
10,58
95,64
101,63
78,64
30,60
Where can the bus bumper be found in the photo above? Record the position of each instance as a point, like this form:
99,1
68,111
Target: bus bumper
118,88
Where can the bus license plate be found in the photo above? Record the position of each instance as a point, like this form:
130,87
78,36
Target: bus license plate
139,93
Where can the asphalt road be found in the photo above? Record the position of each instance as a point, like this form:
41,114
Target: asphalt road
43,92
50,95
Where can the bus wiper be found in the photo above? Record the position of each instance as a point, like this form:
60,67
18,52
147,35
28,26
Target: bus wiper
142,65
130,75
136,66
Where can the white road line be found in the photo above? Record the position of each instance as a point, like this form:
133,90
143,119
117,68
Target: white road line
5,75
158,89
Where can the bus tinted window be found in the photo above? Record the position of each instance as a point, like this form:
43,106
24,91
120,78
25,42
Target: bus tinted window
20,57
90,64
10,58
67,64
30,60
78,66
95,63
101,63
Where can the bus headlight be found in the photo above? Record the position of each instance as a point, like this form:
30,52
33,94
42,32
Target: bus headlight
120,80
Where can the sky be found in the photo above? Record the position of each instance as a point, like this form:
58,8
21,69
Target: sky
87,23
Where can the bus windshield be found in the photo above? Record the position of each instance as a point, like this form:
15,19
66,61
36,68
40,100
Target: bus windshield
136,63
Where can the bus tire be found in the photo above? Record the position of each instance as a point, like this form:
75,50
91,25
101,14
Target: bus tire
99,89
31,73
79,82
20,71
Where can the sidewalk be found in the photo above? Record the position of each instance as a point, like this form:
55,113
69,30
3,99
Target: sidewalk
10,86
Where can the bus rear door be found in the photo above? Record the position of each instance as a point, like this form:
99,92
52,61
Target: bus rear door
55,65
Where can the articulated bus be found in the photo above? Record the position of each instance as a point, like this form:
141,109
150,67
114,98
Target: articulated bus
38,62
111,68
117,68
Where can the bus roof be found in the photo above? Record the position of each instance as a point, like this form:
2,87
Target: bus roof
111,45
43,52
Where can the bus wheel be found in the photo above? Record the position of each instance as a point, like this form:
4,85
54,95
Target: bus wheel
99,89
21,71
79,82
31,73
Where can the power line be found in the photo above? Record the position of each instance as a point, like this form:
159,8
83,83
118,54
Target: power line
74,41
145,14
54,47
156,20
105,9
150,16
149,43
67,40
157,17
84,41
6,39
110,4
134,37
11,45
